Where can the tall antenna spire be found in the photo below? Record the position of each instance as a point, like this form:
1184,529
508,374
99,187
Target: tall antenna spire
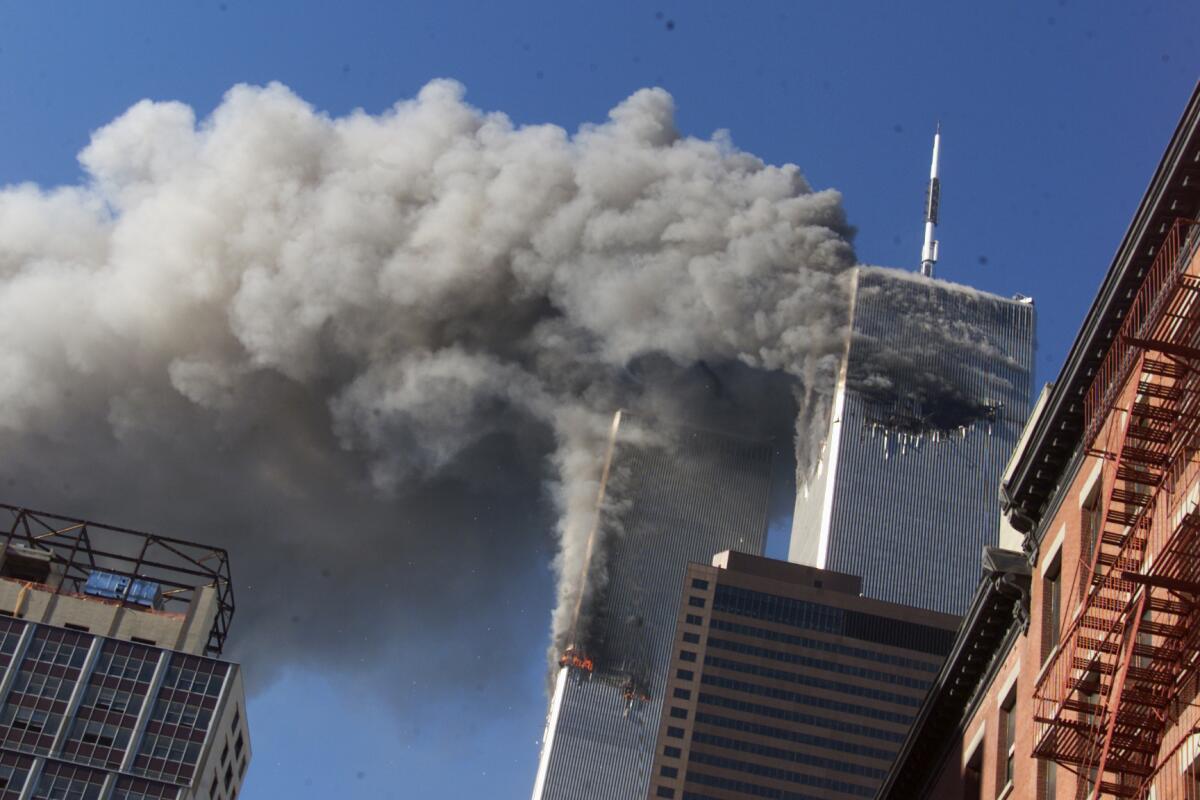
929,252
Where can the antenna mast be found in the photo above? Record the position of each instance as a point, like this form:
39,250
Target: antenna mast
929,252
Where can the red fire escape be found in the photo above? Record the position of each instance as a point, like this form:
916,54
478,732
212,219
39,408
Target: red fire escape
1111,703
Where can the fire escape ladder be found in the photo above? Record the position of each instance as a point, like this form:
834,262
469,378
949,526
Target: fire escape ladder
1086,717
1112,692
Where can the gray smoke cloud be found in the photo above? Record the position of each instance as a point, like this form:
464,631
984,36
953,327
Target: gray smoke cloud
377,355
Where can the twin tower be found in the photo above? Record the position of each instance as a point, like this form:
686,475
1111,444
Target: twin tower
931,394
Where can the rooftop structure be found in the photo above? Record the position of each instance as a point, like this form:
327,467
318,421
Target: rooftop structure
118,581
929,250
107,685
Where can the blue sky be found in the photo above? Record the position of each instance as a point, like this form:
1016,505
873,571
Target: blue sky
1054,116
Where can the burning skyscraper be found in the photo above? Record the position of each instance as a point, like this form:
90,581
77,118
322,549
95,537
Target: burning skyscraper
904,491
931,395
668,497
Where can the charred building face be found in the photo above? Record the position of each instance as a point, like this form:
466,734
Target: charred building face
669,496
930,400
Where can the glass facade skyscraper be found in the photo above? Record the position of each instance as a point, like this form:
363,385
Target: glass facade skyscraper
930,401
673,496
785,683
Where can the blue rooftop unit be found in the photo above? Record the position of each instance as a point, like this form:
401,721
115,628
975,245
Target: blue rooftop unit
106,584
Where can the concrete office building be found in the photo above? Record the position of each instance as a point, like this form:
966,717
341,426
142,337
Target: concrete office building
1077,672
930,399
785,683
110,688
670,496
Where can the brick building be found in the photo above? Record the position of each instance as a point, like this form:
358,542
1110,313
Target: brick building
1074,674
110,688
784,682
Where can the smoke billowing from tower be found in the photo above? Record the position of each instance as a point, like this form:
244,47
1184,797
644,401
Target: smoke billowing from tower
360,350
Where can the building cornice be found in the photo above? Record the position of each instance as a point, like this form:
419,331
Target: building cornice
1173,192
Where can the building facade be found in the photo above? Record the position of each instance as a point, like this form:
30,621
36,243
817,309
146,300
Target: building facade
109,684
1088,688
930,399
671,496
784,682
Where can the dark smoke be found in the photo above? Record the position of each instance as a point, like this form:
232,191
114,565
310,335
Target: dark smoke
376,356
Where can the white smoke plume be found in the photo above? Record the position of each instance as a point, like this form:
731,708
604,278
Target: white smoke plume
375,354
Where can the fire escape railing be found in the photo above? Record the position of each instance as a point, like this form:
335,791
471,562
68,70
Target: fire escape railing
1166,271
1104,705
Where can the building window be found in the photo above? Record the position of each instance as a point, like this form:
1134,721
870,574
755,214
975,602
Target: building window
675,733
1008,746
683,694
1051,605
668,772
684,674
698,602
692,638
1089,529
698,583
687,655
679,713
665,791
1047,780
973,775
672,752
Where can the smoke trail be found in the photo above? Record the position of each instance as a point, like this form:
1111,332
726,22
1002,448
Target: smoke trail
360,350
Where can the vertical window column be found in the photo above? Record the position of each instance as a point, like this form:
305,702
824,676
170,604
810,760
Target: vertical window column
85,673
33,778
14,663
218,713
143,717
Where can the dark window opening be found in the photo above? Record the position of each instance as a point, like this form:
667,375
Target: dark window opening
1051,607
973,775
1008,748
1089,525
